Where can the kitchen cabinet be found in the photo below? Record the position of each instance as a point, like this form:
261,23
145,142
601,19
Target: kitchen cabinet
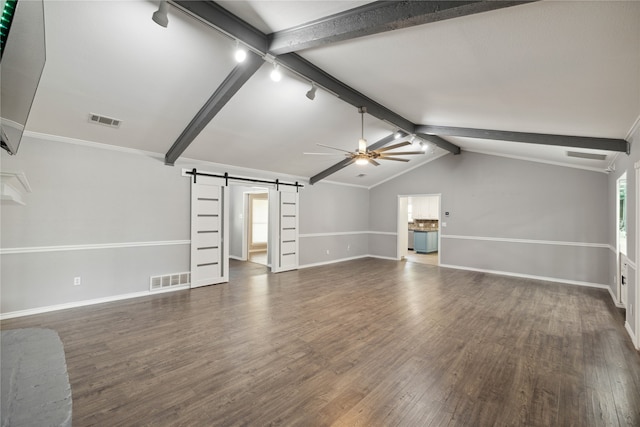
425,242
432,241
427,207
410,240
433,207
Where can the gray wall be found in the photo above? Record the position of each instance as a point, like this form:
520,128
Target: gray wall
334,221
85,197
625,163
499,207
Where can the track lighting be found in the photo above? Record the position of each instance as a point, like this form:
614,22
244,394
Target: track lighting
240,53
276,75
311,94
160,15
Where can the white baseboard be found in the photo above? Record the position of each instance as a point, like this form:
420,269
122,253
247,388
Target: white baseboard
333,261
634,339
614,299
76,304
237,258
530,276
383,257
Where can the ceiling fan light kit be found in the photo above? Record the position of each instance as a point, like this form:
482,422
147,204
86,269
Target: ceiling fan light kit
363,155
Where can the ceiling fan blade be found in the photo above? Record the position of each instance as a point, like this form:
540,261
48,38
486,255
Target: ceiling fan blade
373,162
394,158
391,147
333,148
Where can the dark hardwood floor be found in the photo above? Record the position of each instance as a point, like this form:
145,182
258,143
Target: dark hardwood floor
361,343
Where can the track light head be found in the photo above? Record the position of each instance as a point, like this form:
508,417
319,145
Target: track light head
160,15
241,53
311,94
276,75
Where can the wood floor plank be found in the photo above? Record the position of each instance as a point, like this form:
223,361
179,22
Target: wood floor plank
367,342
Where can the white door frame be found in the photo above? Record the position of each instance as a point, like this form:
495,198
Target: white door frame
403,230
402,240
620,300
637,260
245,223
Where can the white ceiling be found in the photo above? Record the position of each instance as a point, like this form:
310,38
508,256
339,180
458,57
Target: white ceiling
566,67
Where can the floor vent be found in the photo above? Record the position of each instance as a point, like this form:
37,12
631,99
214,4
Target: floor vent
168,281
107,121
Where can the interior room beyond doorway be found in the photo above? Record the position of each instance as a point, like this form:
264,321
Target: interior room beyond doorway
419,228
257,227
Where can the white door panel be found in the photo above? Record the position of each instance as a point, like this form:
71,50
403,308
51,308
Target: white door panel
208,222
209,231
289,234
283,205
288,247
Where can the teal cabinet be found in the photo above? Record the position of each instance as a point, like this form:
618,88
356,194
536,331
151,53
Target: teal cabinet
425,241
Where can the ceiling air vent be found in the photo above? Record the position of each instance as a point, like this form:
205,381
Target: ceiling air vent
362,175
103,120
589,156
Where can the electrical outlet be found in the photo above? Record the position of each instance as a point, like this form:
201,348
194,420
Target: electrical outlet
77,281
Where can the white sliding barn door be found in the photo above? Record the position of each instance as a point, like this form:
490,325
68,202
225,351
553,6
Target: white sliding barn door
209,232
283,206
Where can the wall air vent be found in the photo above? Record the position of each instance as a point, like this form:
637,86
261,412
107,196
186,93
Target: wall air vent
169,281
103,120
589,156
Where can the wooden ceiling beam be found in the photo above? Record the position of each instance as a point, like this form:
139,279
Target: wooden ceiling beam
586,142
374,18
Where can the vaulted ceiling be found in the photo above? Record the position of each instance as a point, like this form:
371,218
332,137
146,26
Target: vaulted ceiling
483,80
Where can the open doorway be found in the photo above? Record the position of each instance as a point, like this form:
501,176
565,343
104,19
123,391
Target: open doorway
231,223
249,224
418,229
621,237
257,226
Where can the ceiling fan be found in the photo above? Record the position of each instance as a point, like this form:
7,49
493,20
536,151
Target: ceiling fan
362,155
